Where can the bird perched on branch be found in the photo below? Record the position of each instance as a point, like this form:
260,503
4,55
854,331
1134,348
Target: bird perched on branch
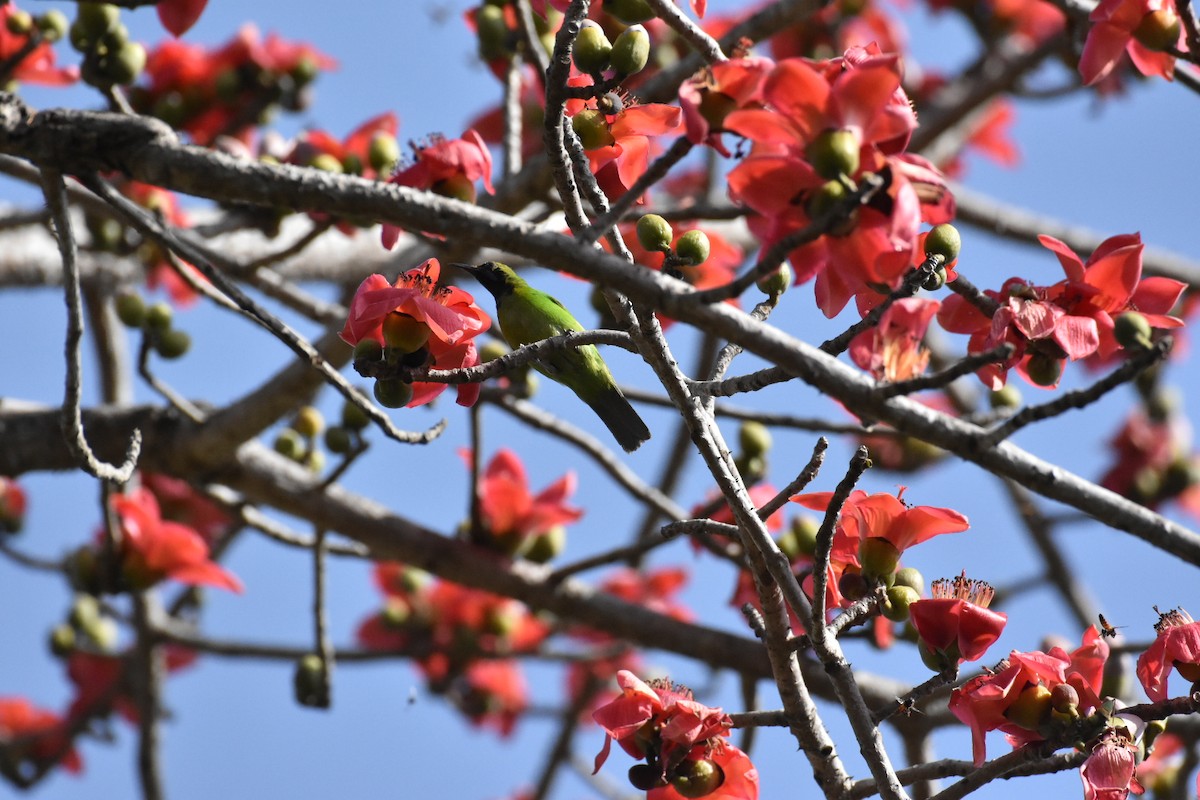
528,315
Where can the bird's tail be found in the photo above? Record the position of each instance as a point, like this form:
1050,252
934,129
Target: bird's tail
620,418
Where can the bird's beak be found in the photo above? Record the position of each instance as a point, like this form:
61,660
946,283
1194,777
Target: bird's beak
469,268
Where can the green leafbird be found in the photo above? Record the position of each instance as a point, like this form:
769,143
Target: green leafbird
527,315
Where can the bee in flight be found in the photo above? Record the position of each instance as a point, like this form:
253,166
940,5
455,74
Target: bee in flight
1106,630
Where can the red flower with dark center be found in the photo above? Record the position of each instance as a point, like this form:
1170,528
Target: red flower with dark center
955,625
1115,32
152,549
1177,647
511,511
28,733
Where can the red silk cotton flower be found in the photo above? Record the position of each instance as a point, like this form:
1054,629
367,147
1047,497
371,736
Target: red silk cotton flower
152,549
682,741
1177,647
513,515
955,625
28,733
449,313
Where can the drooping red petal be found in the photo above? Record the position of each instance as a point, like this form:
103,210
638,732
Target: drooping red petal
178,16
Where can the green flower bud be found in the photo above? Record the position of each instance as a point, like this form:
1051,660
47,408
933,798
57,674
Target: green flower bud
1032,707
289,444
172,343
53,25
1132,330
592,48
19,23
403,333
899,598
308,422
1044,370
384,153
62,640
1159,30
834,153
805,529
592,129
85,612
158,317
326,162
97,19
631,51
879,558
697,778
308,682
353,417
693,248
935,280
937,660
546,546
338,440
1007,396
131,309
493,33
315,461
393,392
654,233
823,200
754,438
776,283
368,350
943,241
912,578
352,164
630,12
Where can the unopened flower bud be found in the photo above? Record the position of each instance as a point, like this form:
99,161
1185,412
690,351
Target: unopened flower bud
1044,370
131,309
754,438
805,529
546,546
945,241
172,343
393,392
308,422
645,777
327,162
158,317
308,681
693,248
1159,30
338,440
62,640
833,153
630,12
1064,698
879,558
126,63
19,23
899,598
912,578
383,153
592,48
289,444
654,233
1007,396
1132,330
631,51
53,25
776,283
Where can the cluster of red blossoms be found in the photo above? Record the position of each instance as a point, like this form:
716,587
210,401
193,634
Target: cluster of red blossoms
684,743
416,322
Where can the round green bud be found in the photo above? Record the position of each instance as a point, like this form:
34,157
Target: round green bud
492,29
693,248
308,681
935,280
943,241
834,153
1007,396
354,417
383,153
97,19
1044,370
773,284
694,779
853,586
131,309
103,633
805,529
158,317
393,392
899,598
654,233
752,468
85,612
630,12
823,200
79,36
878,557
1132,330
315,461
326,162
305,72
934,659
112,41
19,23
53,25
62,640
172,343
308,422
1159,30
592,48
912,578
352,164
546,546
754,438
368,350
338,440
403,333
493,350
592,129
631,51
289,444
126,64
1180,475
